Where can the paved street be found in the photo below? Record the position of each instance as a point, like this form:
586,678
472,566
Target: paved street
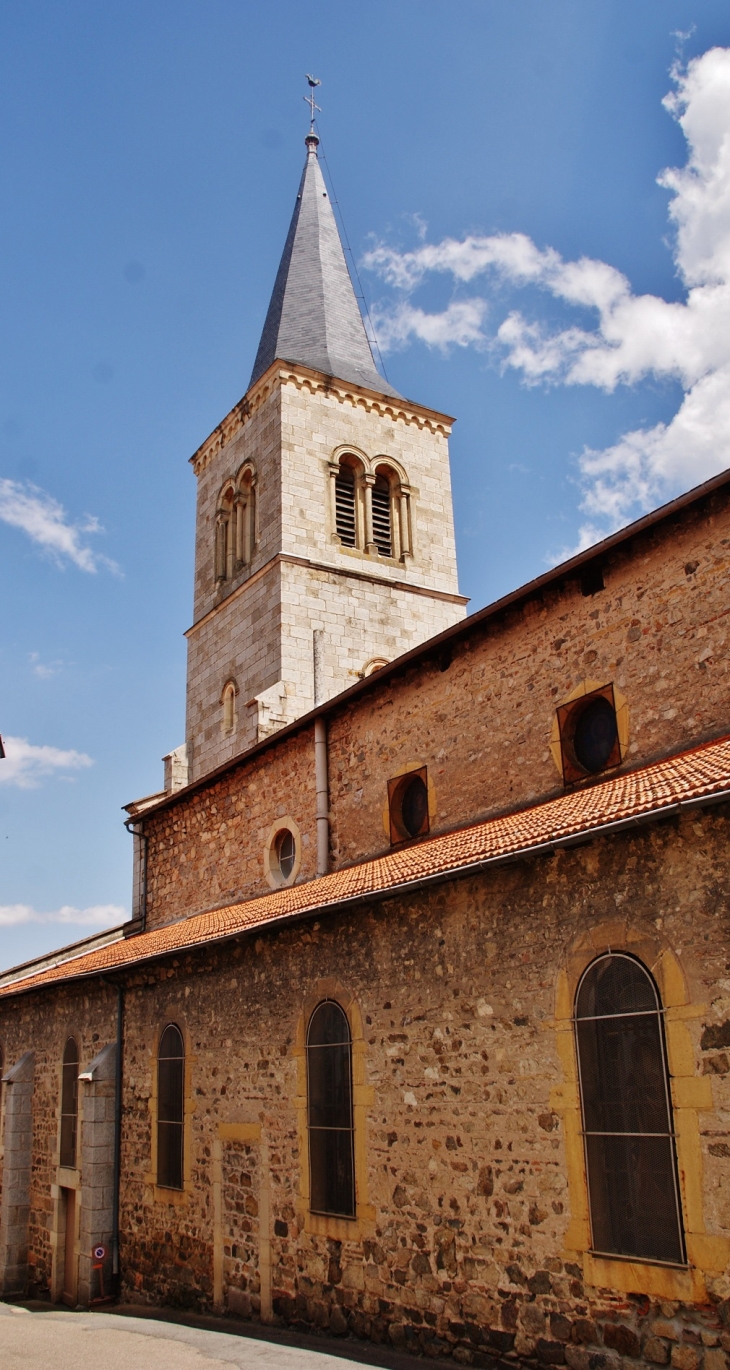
60,1340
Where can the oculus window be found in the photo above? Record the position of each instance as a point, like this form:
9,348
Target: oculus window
589,740
408,806
627,1116
170,1108
329,1112
69,1104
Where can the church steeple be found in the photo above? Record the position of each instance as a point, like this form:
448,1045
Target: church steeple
313,316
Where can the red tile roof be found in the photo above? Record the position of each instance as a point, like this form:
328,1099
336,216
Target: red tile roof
690,778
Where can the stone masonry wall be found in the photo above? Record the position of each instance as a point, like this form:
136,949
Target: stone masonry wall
482,726
465,1246
88,1014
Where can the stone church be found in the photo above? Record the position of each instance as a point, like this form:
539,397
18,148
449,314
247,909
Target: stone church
420,1029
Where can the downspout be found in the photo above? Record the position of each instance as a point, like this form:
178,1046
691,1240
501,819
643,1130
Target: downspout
322,788
116,1269
140,835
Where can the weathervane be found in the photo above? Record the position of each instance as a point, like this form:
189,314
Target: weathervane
309,99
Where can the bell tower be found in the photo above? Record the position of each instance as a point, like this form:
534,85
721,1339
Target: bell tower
324,531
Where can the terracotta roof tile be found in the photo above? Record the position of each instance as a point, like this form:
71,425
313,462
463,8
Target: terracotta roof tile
691,776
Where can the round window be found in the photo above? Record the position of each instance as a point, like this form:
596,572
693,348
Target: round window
414,806
285,852
595,735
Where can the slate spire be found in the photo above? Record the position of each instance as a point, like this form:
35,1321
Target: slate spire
313,315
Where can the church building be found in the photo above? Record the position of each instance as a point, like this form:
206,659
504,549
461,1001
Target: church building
419,1032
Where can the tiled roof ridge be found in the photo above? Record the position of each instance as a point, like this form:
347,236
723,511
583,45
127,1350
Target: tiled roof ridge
690,776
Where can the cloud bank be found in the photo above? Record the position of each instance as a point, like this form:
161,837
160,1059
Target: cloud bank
47,524
96,916
621,338
26,764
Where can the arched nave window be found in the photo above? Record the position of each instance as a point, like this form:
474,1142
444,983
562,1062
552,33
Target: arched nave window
170,1108
329,1112
627,1114
69,1103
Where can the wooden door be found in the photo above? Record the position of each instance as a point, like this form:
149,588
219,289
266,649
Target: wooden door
69,1247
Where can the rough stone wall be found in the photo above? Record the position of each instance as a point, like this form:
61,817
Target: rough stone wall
44,1026
466,1251
17,1161
482,726
209,850
261,631
466,1162
658,631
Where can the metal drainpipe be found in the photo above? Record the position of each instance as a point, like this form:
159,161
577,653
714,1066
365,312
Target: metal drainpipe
141,834
116,1270
322,788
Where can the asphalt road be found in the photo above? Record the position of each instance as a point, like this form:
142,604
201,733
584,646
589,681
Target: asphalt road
61,1340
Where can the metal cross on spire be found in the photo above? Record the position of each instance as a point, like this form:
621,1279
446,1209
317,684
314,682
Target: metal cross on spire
309,99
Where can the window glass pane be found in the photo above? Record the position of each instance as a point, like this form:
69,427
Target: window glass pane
329,1089
331,1167
595,735
627,1119
633,1210
414,807
622,1068
170,1108
69,1103
329,1086
169,1155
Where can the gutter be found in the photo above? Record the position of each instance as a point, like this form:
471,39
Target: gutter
139,923
548,848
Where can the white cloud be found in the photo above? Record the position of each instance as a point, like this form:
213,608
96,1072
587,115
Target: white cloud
96,916
629,337
25,764
47,524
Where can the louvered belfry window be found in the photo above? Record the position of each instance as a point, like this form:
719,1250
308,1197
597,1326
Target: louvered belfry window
170,1108
329,1110
345,506
69,1104
627,1115
382,526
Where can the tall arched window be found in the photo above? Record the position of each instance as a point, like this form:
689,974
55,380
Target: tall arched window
627,1116
329,1103
69,1103
345,509
170,1108
382,517
245,519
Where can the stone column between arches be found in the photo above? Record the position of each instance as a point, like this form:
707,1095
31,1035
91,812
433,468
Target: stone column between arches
17,1155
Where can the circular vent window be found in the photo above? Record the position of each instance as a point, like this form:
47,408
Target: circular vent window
285,853
595,735
414,807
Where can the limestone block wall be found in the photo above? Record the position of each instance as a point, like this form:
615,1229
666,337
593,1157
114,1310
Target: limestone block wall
17,1162
256,628
97,1119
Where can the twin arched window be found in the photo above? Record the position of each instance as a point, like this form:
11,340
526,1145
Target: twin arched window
235,529
627,1117
329,1112
69,1104
371,511
170,1108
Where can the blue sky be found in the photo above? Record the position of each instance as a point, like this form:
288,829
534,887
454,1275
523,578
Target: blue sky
497,168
